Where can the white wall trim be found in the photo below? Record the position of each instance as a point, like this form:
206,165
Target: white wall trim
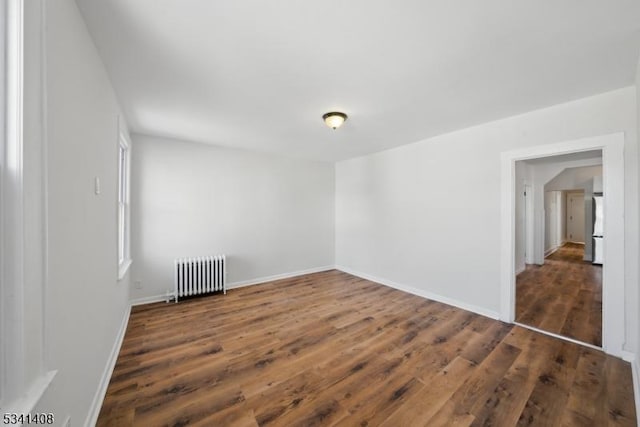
98,398
123,268
409,289
612,146
551,250
28,401
264,279
12,227
44,181
628,356
150,300
239,284
422,293
124,142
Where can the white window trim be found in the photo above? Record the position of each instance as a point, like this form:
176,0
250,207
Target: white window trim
11,215
123,142
16,395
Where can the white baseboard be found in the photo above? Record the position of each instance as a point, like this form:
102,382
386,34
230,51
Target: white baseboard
521,269
259,280
148,300
96,404
627,356
550,251
241,284
424,294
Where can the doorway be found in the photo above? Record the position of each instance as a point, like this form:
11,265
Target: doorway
562,293
613,291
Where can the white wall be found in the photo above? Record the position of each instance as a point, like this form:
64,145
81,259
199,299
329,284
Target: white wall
597,184
575,178
270,215
84,302
427,215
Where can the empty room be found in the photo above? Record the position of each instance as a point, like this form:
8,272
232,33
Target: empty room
368,213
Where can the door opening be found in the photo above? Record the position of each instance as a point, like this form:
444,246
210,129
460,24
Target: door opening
610,149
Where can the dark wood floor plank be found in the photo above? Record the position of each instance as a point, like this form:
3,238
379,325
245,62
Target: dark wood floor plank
549,397
478,388
332,349
505,405
618,394
422,406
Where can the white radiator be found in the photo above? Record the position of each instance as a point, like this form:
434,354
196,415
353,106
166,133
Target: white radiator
200,275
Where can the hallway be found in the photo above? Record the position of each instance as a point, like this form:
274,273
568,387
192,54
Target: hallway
564,296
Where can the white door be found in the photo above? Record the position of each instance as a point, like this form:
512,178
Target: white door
575,217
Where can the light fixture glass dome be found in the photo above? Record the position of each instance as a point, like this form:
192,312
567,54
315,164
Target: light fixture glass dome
334,119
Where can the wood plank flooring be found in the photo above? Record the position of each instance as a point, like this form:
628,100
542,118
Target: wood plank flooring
563,296
332,349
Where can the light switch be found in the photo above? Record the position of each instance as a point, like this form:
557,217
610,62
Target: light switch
96,185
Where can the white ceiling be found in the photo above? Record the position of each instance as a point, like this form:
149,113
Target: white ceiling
259,74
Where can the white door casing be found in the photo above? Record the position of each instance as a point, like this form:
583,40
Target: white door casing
613,286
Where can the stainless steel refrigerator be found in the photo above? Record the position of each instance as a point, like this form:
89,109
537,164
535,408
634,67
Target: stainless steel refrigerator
598,229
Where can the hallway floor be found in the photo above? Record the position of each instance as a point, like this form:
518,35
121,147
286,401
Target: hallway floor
563,296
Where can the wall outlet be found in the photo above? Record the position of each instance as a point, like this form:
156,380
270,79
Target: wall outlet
137,284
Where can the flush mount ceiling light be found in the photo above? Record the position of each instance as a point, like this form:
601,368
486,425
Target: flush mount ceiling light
334,119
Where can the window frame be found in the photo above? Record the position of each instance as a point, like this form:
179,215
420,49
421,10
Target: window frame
123,202
4,35
12,378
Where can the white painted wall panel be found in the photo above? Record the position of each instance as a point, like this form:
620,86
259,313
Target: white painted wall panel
427,215
84,302
269,214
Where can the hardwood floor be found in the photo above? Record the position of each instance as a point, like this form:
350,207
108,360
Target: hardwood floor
563,296
332,349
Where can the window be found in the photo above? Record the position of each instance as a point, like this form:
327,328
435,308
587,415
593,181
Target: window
124,257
